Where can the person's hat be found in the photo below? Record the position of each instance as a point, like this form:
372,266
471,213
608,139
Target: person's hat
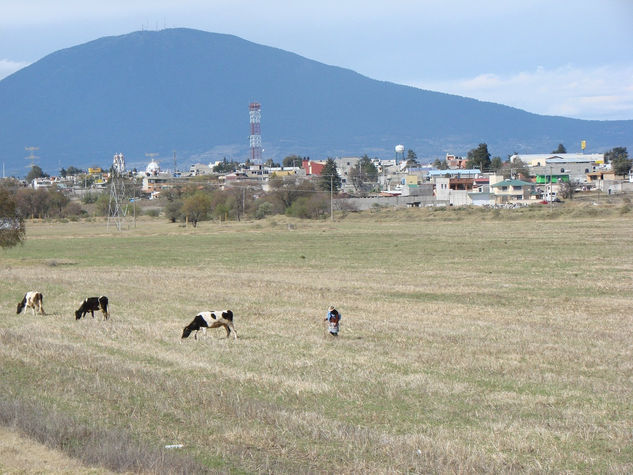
331,308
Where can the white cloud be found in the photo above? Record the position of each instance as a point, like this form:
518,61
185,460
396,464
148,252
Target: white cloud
8,67
600,93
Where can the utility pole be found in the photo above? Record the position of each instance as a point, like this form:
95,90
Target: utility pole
331,200
550,188
32,157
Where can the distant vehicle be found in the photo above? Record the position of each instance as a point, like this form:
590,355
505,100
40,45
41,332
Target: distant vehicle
555,200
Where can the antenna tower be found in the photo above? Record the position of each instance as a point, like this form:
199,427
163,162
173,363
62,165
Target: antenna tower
118,205
32,157
255,114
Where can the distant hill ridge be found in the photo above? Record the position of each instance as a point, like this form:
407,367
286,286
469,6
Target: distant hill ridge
187,91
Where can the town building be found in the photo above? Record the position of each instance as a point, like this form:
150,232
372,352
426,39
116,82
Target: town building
510,190
574,165
312,167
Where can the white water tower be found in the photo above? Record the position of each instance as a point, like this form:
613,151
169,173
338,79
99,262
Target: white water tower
399,153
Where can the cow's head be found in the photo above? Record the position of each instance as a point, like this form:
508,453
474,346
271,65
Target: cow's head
21,306
186,332
77,314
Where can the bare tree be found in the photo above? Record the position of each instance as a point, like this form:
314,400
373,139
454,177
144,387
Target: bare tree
12,230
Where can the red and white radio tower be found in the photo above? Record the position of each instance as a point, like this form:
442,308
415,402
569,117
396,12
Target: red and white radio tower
255,114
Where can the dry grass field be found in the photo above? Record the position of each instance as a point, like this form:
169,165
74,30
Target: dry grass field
471,341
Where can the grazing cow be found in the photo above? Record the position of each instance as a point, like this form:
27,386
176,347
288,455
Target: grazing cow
33,300
91,304
204,320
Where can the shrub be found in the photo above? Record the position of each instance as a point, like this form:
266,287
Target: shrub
264,209
72,209
90,197
173,210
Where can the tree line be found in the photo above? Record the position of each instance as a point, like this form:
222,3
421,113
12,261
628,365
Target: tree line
203,202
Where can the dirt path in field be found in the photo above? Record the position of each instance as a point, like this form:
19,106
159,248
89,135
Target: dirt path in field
21,455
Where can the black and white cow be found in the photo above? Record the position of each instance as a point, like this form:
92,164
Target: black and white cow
215,319
33,300
91,304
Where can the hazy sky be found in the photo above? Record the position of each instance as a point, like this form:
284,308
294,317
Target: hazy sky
557,57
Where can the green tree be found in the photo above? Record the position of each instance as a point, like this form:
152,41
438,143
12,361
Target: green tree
102,205
224,205
364,174
479,158
496,164
619,159
412,159
225,166
561,149
35,172
292,161
173,210
264,209
73,171
330,179
12,230
309,207
440,164
196,207
70,171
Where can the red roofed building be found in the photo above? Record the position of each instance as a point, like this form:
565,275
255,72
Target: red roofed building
312,168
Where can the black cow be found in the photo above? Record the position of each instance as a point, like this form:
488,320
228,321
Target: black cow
215,319
91,304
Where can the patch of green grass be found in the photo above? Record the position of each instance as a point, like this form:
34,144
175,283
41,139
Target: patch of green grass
488,341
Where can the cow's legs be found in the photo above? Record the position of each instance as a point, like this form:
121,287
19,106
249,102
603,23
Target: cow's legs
220,324
230,324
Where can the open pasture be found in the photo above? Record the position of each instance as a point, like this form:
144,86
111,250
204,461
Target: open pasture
470,340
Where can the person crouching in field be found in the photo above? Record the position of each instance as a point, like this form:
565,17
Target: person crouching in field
333,318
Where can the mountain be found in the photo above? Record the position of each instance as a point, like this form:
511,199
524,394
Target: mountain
187,92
